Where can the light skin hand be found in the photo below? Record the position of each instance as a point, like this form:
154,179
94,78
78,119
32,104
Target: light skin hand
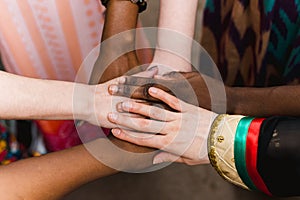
101,102
182,134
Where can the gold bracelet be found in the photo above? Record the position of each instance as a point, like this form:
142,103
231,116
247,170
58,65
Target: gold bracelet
221,147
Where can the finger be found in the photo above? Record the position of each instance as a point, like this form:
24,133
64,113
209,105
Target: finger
132,115
156,104
150,111
142,139
143,125
170,100
173,75
117,81
136,92
130,91
147,73
162,77
138,81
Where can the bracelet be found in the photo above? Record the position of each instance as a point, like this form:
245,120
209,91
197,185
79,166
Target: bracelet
240,151
221,147
142,4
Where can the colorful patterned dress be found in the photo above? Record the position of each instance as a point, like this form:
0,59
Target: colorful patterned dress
254,42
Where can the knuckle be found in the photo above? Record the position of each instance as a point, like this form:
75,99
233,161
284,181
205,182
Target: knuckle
144,124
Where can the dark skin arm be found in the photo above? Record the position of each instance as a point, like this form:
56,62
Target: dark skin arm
269,101
54,175
121,15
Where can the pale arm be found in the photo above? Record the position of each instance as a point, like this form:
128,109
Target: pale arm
179,17
27,98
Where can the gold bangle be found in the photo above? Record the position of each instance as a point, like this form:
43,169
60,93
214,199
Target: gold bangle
220,145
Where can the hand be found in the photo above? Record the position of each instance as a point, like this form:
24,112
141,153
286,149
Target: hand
188,86
94,102
182,134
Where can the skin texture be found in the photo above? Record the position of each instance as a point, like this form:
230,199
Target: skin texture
181,134
90,103
190,87
178,23
121,16
63,171
280,100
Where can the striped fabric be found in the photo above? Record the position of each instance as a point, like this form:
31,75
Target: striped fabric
48,38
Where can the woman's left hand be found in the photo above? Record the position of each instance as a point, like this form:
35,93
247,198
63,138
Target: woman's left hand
181,135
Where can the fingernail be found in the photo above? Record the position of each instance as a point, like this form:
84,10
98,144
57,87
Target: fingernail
127,104
113,89
113,116
122,80
157,161
152,68
153,90
116,131
119,107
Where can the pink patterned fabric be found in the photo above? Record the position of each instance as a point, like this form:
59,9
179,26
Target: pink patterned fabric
49,39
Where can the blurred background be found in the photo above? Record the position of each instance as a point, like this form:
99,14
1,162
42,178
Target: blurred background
175,182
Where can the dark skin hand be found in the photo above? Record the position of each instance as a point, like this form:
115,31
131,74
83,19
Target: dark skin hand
188,86
269,101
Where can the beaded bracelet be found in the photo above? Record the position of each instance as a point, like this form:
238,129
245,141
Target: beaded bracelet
142,4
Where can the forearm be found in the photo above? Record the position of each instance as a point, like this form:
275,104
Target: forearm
50,176
27,98
281,100
121,16
179,18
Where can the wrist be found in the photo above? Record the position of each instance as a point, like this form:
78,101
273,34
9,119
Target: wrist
232,100
83,101
168,61
140,4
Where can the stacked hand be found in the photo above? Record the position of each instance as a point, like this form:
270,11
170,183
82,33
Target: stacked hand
182,135
190,87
